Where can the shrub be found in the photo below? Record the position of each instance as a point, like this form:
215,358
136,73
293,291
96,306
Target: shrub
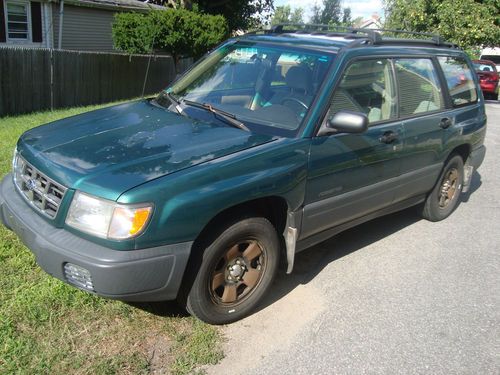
177,31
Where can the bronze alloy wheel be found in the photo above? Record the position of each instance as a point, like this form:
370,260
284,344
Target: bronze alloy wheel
237,273
237,269
445,196
449,187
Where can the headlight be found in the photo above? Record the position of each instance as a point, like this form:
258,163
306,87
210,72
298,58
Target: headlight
17,166
107,219
14,159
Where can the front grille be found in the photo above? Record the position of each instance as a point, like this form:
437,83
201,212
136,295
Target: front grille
44,194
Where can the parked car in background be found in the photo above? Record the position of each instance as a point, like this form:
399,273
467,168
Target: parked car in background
488,78
492,54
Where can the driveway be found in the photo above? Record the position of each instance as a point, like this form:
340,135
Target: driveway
395,295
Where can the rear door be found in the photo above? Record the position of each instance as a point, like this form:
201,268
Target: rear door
350,174
425,117
467,114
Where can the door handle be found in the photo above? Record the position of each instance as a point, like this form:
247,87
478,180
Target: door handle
445,123
388,137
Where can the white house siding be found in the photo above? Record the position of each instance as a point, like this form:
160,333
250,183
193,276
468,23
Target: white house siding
46,32
84,29
47,25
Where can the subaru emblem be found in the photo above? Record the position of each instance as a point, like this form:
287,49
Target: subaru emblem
31,184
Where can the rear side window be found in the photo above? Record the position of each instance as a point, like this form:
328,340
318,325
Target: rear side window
419,88
459,79
484,67
494,58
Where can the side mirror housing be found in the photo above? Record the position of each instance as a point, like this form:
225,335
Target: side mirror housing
346,122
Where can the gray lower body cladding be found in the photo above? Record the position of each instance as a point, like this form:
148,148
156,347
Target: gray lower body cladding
152,274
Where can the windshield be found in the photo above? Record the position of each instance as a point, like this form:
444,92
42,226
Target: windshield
268,88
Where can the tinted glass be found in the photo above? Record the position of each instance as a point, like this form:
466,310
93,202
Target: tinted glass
459,79
493,58
484,67
262,86
367,87
418,84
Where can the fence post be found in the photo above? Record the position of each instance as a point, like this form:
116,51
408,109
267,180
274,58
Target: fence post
51,79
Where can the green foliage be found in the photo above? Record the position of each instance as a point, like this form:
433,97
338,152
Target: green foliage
240,14
330,12
316,13
346,17
133,32
284,14
196,345
468,23
177,31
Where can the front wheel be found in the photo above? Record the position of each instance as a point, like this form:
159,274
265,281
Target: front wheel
237,269
445,196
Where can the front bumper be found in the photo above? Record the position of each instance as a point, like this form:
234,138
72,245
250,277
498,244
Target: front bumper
153,274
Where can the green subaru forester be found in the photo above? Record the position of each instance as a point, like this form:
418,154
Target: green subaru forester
272,143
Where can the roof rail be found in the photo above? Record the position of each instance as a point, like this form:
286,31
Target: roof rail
328,30
433,38
373,36
305,26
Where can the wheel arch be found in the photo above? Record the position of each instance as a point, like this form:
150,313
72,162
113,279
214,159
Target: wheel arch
463,150
273,208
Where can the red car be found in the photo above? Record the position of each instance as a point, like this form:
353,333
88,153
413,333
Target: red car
488,78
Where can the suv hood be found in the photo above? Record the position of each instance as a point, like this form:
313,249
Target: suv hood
109,151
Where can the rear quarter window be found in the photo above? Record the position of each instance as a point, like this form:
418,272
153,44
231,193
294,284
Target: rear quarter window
459,80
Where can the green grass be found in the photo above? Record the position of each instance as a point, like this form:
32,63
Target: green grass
48,327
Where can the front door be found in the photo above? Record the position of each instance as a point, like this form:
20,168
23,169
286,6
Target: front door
350,174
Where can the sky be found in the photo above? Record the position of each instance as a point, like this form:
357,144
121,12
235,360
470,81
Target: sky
359,8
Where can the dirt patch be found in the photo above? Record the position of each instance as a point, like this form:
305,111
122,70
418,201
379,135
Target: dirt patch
159,355
270,330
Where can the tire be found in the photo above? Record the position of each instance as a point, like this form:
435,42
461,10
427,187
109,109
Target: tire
445,196
236,271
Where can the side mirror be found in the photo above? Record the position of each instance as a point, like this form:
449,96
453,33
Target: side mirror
346,122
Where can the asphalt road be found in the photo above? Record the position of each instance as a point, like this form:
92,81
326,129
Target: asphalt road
398,295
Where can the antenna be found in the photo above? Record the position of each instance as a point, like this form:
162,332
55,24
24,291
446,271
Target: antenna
149,59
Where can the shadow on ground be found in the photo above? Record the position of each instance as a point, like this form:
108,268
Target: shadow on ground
309,263
162,308
474,185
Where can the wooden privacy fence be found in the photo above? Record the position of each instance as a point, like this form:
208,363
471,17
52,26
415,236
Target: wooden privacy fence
39,79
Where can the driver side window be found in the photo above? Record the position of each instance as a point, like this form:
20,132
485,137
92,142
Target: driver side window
367,86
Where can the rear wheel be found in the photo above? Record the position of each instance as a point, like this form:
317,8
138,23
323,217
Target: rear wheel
237,269
445,196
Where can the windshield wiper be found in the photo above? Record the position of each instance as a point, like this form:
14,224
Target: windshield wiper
228,117
173,101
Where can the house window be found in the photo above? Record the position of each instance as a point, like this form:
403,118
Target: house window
17,17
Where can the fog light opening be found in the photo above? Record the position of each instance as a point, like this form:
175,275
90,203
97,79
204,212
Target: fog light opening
78,276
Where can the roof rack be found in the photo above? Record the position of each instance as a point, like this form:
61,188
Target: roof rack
372,36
